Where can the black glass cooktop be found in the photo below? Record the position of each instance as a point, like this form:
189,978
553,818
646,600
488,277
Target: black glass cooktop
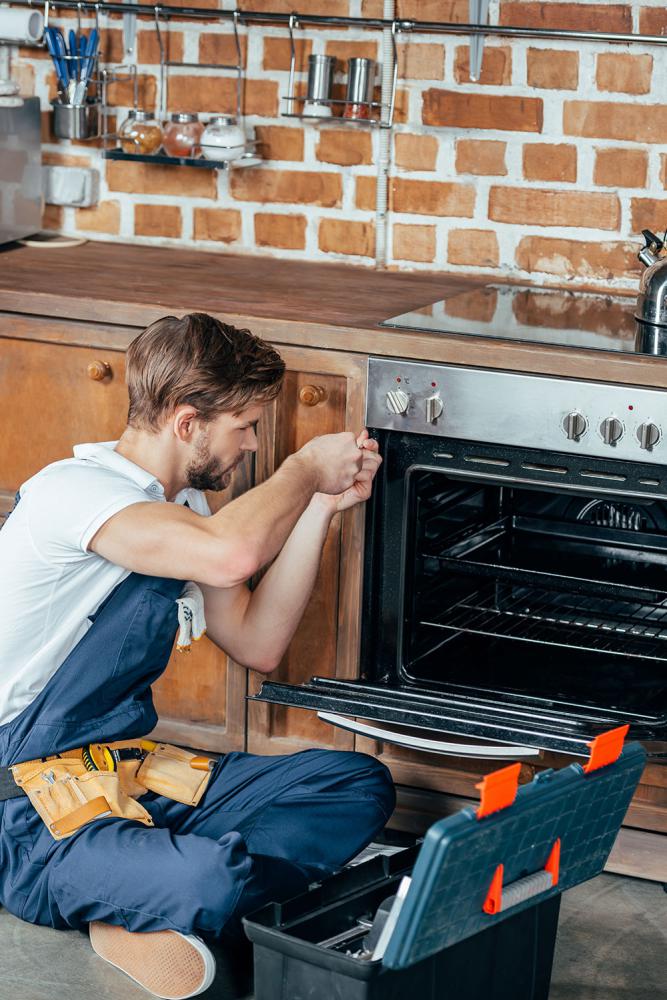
536,315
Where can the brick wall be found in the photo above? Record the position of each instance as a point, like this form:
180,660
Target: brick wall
547,169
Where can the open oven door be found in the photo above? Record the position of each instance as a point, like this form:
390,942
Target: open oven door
447,723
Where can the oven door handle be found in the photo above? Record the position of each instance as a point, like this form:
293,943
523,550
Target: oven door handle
488,751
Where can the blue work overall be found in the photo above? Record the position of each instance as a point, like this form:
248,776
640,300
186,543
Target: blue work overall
265,827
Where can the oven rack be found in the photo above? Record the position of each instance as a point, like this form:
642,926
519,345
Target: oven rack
531,614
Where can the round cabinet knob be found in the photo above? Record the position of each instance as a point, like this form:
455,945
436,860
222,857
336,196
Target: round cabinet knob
311,395
99,370
433,409
397,401
575,425
611,430
648,436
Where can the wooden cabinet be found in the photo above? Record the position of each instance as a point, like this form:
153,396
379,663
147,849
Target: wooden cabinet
323,394
52,403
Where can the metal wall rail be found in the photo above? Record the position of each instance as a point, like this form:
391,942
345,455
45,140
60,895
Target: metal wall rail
415,27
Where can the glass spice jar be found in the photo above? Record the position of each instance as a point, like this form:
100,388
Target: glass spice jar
182,134
223,139
140,133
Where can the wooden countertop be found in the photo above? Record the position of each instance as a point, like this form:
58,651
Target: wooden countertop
330,306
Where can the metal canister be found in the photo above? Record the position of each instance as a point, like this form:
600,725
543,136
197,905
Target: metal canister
360,82
320,77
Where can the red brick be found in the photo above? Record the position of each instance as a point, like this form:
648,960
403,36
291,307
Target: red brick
342,51
653,21
336,8
277,142
218,94
158,220
222,225
549,162
536,207
287,186
103,218
415,152
624,73
460,110
24,75
221,49
574,259
620,168
278,54
452,11
285,231
481,156
432,198
155,178
344,146
64,160
567,16
473,248
148,50
647,213
52,218
121,94
421,61
365,193
346,236
602,120
496,65
551,70
414,243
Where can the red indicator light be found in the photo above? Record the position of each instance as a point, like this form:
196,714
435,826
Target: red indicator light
434,384
631,407
398,378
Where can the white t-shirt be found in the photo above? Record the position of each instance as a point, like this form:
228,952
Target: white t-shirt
49,582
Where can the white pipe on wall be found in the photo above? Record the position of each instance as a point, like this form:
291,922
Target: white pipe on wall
384,140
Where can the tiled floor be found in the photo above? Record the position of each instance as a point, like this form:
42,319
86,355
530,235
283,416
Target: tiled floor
612,945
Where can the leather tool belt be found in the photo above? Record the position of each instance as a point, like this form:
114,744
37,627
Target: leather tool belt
70,789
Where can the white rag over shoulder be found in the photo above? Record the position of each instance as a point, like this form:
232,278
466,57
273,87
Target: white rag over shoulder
190,616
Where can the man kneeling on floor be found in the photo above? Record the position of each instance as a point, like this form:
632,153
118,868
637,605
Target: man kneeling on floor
157,850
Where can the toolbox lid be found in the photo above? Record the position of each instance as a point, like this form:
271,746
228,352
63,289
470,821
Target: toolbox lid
478,867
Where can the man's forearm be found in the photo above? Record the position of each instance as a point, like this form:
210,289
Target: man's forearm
265,515
279,601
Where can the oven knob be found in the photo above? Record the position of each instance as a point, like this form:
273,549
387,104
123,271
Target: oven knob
397,401
648,436
575,425
433,409
611,430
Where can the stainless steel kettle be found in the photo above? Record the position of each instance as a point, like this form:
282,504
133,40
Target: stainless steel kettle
651,310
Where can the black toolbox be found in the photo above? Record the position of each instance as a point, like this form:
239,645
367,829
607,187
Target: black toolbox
470,913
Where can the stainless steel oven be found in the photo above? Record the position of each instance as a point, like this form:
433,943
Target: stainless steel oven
515,578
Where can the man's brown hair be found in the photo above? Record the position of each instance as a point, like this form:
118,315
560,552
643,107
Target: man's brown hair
201,361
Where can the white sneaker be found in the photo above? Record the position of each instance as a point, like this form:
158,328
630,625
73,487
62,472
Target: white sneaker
168,964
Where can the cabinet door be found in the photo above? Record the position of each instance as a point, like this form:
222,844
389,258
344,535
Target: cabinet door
323,394
53,400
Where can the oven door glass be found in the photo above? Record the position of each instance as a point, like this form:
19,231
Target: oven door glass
504,609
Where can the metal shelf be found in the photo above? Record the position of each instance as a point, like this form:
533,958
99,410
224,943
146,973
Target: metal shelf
528,614
375,23
180,161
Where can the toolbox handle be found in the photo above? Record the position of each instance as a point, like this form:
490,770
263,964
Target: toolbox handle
500,898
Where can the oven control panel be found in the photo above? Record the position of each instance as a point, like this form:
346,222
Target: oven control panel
531,411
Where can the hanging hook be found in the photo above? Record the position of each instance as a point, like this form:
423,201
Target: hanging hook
163,103
291,24
239,63
79,8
